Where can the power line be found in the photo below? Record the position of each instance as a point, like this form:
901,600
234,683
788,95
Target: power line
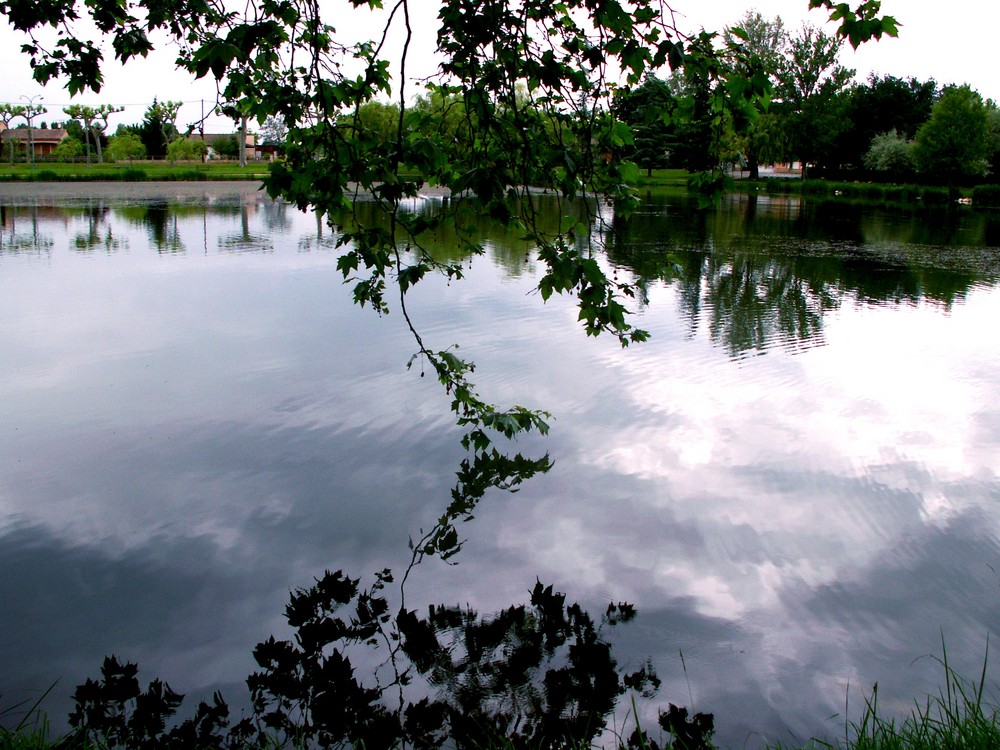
115,104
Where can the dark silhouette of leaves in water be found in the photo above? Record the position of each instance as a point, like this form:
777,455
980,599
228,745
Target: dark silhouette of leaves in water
114,712
538,675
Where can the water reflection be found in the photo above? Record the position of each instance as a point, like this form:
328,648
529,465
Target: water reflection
758,272
188,435
21,232
98,233
763,272
245,240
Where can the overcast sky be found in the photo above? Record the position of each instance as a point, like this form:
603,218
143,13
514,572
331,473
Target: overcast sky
950,44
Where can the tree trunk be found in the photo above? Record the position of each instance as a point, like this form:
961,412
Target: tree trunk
243,141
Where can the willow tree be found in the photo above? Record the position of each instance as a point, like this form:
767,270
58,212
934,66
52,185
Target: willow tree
534,80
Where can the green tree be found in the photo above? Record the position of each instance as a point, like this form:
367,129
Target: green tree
272,131
125,146
69,148
647,110
993,139
698,120
760,38
159,128
28,112
952,145
809,83
756,47
882,105
183,149
8,114
74,128
226,146
892,154
95,122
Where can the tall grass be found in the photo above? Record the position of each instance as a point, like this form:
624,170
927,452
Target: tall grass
960,717
957,717
32,732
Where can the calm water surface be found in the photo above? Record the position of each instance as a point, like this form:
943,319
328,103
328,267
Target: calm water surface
796,479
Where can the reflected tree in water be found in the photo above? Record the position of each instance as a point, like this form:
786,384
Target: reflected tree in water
245,240
20,233
98,234
159,219
755,279
753,303
540,675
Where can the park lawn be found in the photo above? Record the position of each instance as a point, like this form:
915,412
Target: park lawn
665,178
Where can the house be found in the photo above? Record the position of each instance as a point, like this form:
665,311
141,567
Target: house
269,150
44,140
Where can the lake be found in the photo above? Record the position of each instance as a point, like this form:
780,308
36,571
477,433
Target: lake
796,480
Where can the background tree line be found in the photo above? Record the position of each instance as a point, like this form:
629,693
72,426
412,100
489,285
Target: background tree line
886,128
157,136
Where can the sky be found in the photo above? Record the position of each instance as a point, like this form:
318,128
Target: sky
949,46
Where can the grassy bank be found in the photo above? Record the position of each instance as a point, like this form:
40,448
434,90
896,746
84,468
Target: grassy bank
139,171
865,191
663,178
669,180
658,181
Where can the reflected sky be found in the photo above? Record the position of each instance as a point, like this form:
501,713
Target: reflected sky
197,419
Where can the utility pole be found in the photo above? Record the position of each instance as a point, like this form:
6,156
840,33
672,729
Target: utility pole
201,129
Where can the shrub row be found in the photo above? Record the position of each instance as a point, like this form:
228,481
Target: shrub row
124,175
986,195
863,190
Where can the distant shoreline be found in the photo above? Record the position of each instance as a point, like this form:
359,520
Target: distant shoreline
62,190
124,189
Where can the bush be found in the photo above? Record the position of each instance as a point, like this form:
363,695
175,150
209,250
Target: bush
986,195
936,195
900,193
125,147
69,149
188,175
873,192
181,149
226,146
891,154
816,187
781,185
